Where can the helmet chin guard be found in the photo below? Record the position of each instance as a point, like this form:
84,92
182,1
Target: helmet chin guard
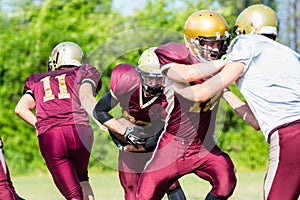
152,91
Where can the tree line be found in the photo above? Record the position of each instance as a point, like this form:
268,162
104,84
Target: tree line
29,31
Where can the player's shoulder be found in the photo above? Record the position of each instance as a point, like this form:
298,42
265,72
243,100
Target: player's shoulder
124,78
174,52
122,69
172,47
38,76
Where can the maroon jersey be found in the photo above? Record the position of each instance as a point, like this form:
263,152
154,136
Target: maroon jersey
186,119
125,85
7,190
56,95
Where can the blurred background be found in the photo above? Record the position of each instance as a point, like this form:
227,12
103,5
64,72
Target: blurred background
29,29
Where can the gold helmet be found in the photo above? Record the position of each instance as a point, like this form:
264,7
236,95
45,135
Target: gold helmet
256,19
150,73
65,54
206,26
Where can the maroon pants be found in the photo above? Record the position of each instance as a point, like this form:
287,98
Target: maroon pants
7,190
282,181
66,151
175,157
131,166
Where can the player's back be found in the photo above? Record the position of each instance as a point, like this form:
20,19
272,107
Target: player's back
56,95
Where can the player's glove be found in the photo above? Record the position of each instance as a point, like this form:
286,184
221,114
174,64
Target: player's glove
134,136
151,142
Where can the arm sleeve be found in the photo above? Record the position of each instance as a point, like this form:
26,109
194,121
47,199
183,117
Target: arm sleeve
104,105
91,75
240,50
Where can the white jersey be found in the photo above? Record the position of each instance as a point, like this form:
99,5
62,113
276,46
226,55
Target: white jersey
270,81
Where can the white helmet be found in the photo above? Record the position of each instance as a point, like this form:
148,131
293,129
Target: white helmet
257,19
65,54
149,70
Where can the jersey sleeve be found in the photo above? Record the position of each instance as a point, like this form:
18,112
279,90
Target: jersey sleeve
27,87
124,78
91,75
174,53
240,50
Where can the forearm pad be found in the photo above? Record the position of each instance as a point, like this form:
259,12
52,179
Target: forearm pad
104,105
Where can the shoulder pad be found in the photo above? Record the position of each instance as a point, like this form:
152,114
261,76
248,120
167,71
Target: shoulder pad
174,52
124,78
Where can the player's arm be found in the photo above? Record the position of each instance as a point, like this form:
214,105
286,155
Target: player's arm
24,109
188,73
86,96
149,145
101,113
240,108
88,100
203,92
133,135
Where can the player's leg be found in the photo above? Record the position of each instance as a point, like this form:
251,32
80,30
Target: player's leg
54,149
282,180
130,166
7,191
129,182
161,171
83,138
217,168
87,190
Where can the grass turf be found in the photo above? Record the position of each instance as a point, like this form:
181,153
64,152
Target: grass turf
106,186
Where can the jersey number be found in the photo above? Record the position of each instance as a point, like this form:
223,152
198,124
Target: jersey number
63,92
196,107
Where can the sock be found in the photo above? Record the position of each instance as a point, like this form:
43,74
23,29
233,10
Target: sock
176,194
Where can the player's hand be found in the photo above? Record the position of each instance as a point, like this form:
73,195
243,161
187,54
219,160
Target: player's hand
135,136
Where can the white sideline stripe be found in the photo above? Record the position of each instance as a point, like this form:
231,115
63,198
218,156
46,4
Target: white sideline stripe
273,162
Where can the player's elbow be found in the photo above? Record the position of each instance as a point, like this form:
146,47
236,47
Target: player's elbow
17,110
202,94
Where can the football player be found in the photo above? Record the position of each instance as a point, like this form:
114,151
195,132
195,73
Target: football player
7,190
267,74
62,98
138,90
188,143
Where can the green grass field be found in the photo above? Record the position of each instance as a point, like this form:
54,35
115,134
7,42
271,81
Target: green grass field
107,187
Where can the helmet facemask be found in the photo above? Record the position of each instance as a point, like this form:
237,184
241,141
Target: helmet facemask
151,83
206,35
209,48
150,73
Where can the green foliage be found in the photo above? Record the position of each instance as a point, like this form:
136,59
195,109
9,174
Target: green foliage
30,31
